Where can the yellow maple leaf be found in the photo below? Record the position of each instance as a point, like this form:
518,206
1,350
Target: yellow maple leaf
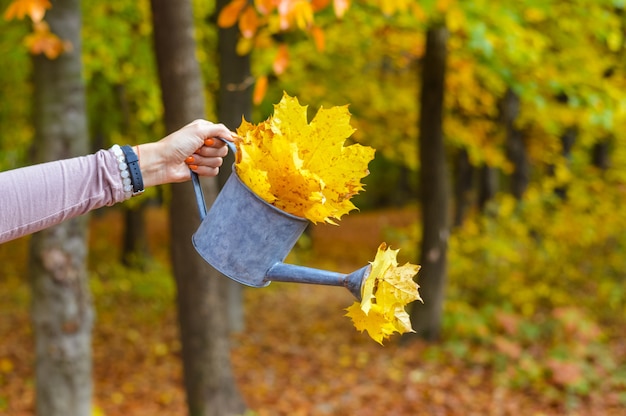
386,292
396,287
375,322
303,168
402,321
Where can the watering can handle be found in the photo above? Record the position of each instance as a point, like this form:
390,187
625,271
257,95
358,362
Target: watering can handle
198,188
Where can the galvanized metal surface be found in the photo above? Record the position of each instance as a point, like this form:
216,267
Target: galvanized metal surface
243,236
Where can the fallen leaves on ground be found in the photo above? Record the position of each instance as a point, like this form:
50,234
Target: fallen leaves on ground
294,357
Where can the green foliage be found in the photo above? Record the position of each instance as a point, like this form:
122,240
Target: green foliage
548,252
206,40
120,74
120,71
368,63
564,66
15,89
149,291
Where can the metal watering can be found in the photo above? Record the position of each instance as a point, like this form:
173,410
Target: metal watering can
247,240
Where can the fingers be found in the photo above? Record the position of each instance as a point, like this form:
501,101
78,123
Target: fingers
207,160
199,160
216,150
208,130
196,161
205,170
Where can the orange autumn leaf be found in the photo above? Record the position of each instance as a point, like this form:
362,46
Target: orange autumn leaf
319,4
230,13
260,89
318,38
46,42
35,9
303,168
248,22
265,6
281,60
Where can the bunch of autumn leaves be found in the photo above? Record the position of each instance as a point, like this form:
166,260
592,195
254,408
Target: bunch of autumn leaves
305,170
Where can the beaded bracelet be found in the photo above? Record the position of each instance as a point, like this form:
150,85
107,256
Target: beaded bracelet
124,173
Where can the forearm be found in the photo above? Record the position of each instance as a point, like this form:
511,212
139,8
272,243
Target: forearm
43,195
40,196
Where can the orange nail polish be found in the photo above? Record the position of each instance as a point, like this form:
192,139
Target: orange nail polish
189,160
209,142
193,167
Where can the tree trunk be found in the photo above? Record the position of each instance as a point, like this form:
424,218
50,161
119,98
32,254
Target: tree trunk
487,186
135,250
236,82
427,317
568,138
600,154
201,291
62,311
515,146
462,186
235,101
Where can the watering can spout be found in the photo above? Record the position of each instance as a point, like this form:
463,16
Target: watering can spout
282,272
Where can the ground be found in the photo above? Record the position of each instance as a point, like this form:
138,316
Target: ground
298,354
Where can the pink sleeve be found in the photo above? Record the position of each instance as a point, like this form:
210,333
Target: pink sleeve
39,196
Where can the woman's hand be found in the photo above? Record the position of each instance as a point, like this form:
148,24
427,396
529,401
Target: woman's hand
195,146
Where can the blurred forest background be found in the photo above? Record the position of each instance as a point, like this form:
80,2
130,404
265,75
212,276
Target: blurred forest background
500,168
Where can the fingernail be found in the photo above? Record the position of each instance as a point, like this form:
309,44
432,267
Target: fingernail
209,142
193,167
189,160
